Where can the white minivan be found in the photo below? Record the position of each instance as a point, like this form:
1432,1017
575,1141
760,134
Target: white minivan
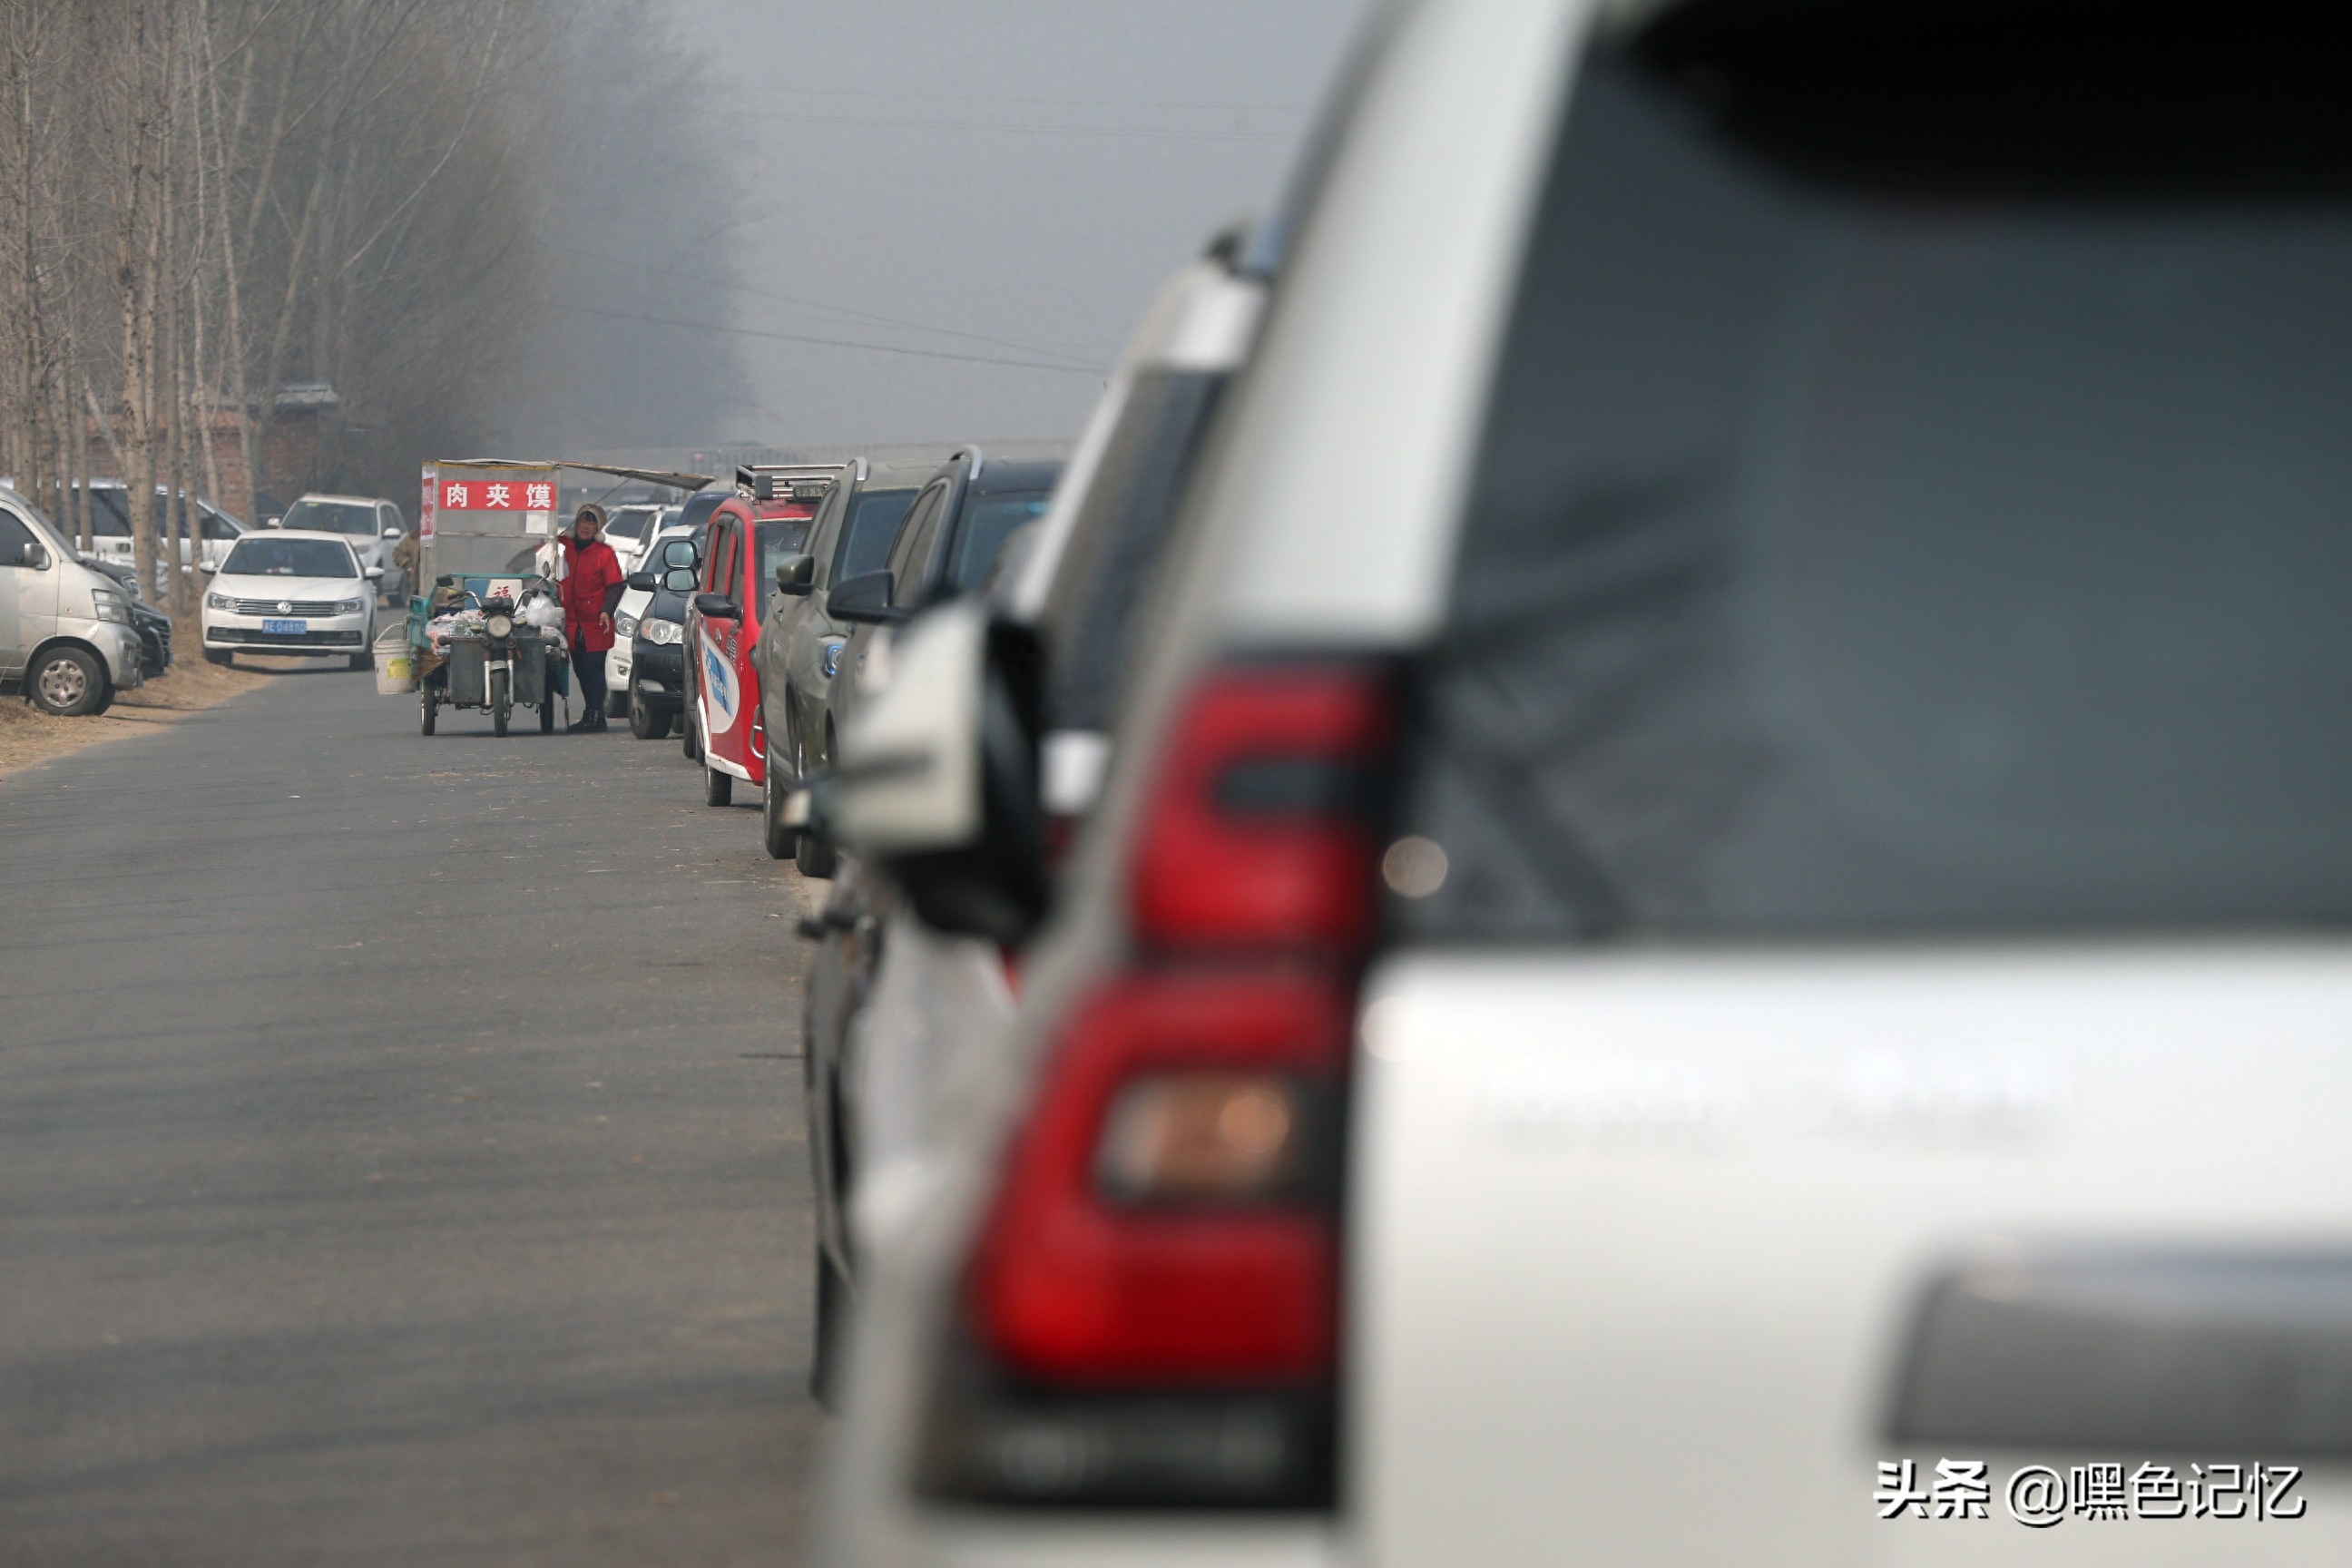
66,636
1721,930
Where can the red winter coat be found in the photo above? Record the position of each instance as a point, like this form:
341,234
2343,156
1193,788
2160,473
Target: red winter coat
591,587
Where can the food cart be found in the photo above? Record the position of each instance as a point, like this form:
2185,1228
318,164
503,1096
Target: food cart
485,627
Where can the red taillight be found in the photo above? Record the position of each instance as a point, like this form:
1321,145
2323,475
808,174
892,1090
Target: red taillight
1260,830
1082,1280
1161,1261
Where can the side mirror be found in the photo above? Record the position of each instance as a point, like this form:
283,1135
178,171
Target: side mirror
642,582
274,522
937,778
37,557
391,533
207,567
863,598
717,608
677,580
794,574
682,553
374,573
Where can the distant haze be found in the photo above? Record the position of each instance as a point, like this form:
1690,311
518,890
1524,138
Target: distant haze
999,182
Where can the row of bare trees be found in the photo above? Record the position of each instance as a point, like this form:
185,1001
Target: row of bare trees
205,202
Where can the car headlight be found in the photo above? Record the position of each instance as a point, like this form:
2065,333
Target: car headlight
351,606
111,606
218,601
624,626
663,633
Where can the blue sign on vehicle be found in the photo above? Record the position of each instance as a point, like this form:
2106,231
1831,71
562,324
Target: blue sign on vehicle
285,628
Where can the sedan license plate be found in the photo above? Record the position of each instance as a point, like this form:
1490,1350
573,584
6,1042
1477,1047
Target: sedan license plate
285,628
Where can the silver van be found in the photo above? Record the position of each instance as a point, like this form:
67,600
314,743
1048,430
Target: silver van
66,637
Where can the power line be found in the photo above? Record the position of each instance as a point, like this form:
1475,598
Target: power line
829,342
1031,347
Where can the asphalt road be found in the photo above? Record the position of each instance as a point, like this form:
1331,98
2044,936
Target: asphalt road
400,1151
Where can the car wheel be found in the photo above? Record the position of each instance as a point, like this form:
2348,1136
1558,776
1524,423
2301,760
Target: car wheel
815,857
616,704
501,703
430,706
646,722
689,742
547,714
832,1308
718,788
68,682
779,838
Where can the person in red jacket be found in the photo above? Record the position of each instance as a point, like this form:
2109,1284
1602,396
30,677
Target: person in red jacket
592,586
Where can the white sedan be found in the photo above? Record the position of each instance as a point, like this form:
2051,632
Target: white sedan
291,591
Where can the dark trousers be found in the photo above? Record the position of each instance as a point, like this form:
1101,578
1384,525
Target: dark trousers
590,668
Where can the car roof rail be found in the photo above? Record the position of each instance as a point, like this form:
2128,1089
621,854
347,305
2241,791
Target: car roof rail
786,481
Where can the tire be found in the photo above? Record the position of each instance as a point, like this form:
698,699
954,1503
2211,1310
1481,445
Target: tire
815,857
502,704
689,742
718,788
219,656
547,714
780,840
616,705
646,722
431,708
68,682
830,1350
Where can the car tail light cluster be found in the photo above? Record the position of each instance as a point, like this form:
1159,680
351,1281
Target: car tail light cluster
1150,1313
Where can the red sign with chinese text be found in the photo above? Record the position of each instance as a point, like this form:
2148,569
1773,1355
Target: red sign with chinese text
496,495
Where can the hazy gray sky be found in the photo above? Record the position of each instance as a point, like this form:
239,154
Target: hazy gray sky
1002,181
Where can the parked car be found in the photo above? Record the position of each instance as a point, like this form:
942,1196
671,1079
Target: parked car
153,627
801,644
370,524
946,548
892,1001
1722,859
67,641
110,528
651,624
631,526
635,598
286,592
751,532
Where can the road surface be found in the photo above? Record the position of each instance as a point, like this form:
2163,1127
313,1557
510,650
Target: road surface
400,1151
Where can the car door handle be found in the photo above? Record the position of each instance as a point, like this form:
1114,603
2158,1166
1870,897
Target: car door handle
2134,1351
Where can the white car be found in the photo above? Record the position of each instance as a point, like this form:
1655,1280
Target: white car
109,526
891,1003
370,524
1716,934
629,529
285,592
625,617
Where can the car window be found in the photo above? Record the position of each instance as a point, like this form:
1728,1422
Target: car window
987,522
1115,542
874,519
108,517
714,557
331,517
1886,525
17,541
217,526
779,538
260,555
913,546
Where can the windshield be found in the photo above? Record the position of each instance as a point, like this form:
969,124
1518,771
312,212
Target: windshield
874,519
1845,556
259,555
628,522
331,517
988,522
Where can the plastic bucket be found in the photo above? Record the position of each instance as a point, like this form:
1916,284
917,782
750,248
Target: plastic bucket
395,668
